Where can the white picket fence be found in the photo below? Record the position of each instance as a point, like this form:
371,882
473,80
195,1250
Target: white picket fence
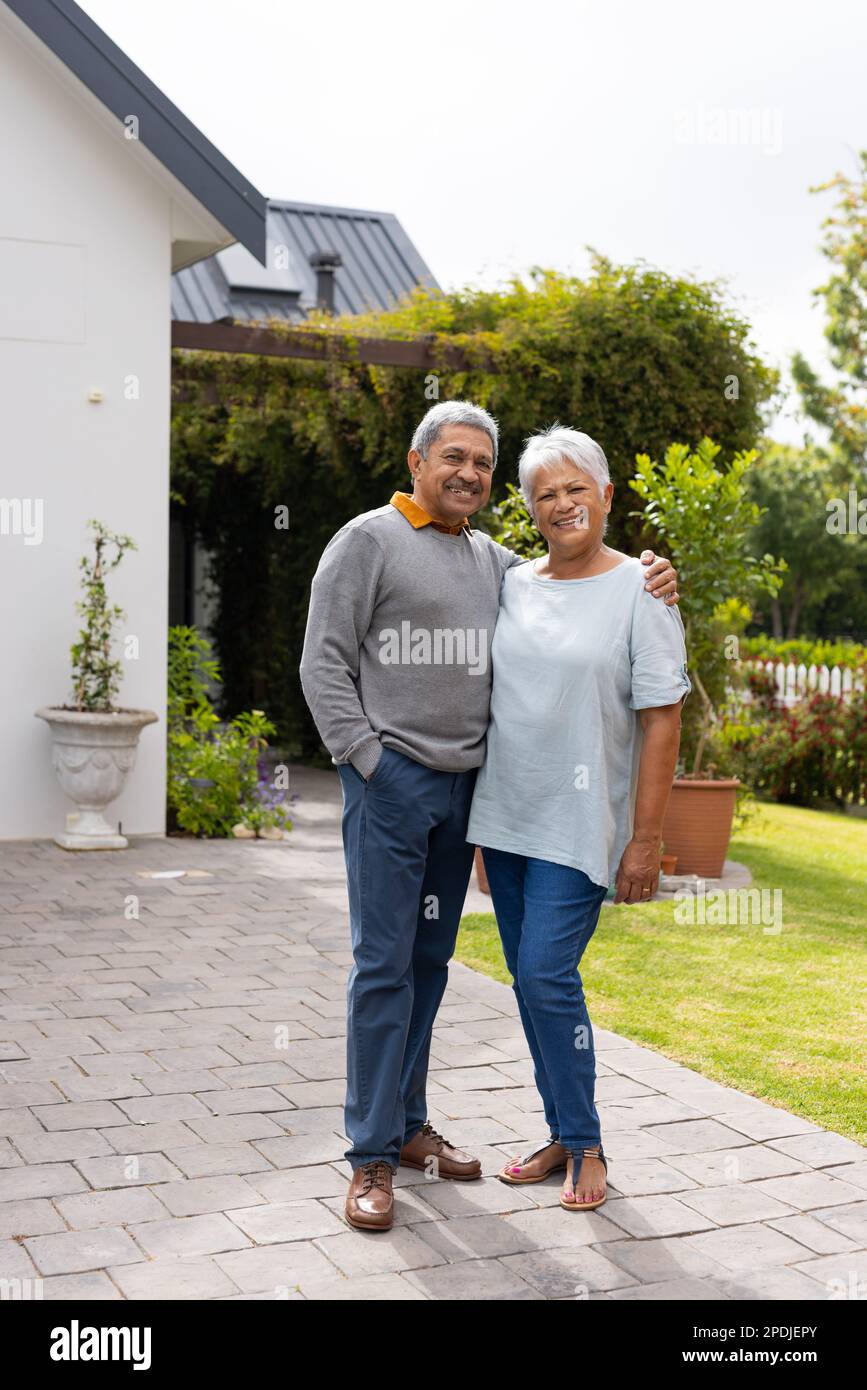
794,683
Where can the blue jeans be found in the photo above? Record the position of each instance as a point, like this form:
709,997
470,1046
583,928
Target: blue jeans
547,913
408,865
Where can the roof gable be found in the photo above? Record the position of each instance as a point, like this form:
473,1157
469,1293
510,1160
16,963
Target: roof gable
165,131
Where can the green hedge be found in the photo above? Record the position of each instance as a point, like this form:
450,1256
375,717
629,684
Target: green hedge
804,650
634,357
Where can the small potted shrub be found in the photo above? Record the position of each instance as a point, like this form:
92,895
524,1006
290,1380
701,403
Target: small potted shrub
703,516
94,741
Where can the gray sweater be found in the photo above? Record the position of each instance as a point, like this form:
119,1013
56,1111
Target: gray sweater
397,650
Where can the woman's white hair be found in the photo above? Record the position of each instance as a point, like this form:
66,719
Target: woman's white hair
553,445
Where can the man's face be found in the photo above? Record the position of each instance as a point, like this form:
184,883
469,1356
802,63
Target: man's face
455,479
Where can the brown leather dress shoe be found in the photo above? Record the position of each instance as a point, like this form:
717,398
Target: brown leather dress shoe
433,1154
370,1199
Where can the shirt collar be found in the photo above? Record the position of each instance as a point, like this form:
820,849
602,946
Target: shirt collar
418,517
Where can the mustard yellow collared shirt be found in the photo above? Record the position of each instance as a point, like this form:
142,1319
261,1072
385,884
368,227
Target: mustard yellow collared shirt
417,516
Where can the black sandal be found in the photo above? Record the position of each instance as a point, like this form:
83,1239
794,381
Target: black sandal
505,1177
589,1153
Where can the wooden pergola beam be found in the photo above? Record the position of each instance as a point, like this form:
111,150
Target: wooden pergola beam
319,345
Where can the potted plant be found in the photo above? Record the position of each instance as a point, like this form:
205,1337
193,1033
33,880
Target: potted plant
94,741
703,515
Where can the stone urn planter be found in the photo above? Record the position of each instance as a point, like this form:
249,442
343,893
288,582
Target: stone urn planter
92,753
698,823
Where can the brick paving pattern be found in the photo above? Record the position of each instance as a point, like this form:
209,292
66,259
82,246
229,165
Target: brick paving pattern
171,1091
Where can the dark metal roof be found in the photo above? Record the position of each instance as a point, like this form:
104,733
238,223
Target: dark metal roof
379,264
164,130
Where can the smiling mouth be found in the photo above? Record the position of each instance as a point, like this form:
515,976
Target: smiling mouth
460,491
569,521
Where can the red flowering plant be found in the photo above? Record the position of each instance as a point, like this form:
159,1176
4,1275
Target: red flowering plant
812,752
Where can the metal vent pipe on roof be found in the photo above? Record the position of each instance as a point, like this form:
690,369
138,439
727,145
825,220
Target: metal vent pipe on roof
325,263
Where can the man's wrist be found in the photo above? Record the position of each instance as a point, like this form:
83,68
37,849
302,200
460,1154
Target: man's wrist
365,759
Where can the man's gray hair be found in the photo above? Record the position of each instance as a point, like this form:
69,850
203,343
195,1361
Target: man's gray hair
453,413
554,444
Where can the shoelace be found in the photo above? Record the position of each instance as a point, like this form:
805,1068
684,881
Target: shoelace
430,1133
376,1175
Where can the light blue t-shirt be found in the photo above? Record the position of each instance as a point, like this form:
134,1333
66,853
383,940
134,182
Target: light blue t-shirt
573,661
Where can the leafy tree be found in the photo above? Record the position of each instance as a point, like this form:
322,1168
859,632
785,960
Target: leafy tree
630,355
792,486
842,407
824,593
703,516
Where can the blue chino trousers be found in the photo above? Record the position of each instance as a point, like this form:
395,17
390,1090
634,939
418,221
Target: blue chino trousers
408,866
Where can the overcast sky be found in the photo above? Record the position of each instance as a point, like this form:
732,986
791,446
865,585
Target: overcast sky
508,135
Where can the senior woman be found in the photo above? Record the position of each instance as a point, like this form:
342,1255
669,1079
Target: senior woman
588,678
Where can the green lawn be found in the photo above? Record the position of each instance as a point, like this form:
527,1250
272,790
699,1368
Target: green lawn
782,1017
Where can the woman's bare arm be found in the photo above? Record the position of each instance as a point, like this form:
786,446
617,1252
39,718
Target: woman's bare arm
638,872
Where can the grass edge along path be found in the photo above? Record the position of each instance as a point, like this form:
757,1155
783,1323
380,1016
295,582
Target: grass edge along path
780,1016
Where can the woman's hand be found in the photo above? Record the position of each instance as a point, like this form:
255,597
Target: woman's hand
638,872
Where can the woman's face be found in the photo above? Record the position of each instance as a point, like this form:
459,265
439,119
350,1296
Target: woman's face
570,513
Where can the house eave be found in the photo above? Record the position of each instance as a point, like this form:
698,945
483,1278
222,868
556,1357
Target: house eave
125,91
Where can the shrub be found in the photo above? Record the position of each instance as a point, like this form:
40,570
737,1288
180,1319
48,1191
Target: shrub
761,686
813,752
217,777
514,527
854,783
805,651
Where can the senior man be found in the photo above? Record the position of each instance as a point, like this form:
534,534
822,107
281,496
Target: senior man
396,671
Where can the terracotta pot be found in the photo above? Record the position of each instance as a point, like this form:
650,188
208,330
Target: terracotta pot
481,876
668,863
698,824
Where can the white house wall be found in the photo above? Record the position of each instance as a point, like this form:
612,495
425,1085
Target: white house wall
85,260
